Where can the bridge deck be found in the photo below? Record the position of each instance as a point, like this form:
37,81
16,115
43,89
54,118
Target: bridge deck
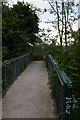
29,96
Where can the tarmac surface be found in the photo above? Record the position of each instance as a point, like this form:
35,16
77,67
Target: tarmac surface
29,96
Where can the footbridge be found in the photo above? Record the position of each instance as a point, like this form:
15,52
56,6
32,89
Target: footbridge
31,90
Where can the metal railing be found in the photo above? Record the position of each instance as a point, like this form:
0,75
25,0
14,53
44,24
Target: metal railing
12,68
62,89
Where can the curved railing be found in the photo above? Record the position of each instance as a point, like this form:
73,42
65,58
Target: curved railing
62,89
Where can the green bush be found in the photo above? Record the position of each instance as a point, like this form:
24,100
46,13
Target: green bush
37,53
70,62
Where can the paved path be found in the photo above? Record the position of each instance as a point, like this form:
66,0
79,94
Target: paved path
29,96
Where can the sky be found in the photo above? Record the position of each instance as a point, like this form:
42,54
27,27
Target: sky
46,16
37,3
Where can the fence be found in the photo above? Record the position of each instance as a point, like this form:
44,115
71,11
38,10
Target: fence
12,68
62,90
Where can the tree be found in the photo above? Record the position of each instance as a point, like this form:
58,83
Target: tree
19,28
76,36
65,14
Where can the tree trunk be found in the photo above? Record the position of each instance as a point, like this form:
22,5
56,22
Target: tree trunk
61,40
65,32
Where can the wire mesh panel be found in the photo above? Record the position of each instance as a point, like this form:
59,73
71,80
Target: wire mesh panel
12,68
62,89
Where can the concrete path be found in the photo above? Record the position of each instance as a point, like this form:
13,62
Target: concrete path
29,96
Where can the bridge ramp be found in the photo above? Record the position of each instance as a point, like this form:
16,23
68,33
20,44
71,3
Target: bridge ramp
29,96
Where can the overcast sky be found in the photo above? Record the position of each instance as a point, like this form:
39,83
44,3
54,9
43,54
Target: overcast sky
44,17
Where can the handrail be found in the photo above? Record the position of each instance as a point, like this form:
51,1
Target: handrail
63,90
14,59
66,80
12,68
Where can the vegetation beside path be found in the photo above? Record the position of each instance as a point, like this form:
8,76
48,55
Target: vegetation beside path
20,35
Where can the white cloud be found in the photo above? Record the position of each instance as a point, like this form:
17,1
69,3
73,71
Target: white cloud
79,23
45,25
38,3
75,25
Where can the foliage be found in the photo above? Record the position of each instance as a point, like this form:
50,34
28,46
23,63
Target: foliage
52,78
4,52
76,113
71,65
19,26
65,13
55,50
37,52
76,36
70,62
72,69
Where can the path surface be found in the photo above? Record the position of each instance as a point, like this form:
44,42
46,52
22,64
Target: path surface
29,96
